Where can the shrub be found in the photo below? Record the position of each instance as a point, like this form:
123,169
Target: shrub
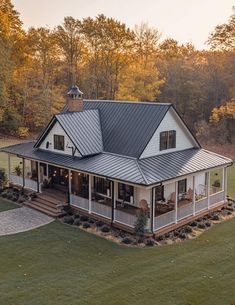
14,198
68,219
22,132
201,226
182,235
229,213
3,179
140,224
188,229
149,242
4,194
9,196
230,209
99,223
91,221
215,217
199,219
127,240
77,222
167,235
86,225
84,218
105,229
193,224
76,216
160,238
208,224
176,233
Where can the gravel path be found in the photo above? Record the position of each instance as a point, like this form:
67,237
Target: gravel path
21,220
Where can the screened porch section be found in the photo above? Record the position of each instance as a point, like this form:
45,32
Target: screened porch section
23,172
187,197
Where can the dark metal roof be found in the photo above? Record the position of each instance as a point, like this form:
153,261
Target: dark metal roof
138,171
83,128
127,127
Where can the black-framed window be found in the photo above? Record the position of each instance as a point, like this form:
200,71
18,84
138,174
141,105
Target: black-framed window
102,186
80,184
125,192
58,142
167,139
182,186
159,193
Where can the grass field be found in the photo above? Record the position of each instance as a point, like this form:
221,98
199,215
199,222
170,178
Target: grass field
6,205
58,264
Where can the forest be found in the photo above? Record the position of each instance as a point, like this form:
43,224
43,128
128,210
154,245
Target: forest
108,60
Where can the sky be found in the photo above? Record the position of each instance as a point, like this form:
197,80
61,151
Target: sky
184,20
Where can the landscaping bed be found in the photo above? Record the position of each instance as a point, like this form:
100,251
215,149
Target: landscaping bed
189,231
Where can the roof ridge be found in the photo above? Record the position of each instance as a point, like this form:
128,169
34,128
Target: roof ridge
141,172
129,102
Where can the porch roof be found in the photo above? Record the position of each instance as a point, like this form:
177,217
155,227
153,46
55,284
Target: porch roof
137,171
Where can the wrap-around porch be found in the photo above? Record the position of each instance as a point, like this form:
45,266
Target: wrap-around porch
117,202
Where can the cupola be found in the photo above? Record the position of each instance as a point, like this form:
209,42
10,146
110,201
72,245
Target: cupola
75,99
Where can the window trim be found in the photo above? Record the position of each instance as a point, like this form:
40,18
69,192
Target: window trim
58,141
165,143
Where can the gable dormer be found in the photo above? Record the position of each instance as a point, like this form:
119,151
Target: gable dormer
171,135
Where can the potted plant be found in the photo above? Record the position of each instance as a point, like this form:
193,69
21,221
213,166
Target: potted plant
18,170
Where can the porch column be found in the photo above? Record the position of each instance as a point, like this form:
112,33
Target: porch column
208,189
23,172
114,199
176,201
113,202
225,183
9,166
89,202
194,207
38,176
69,179
153,210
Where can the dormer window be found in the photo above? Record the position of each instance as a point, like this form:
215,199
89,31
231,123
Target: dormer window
167,139
58,142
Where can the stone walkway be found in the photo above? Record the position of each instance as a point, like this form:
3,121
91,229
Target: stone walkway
21,220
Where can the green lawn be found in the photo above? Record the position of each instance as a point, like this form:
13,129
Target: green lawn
7,205
58,264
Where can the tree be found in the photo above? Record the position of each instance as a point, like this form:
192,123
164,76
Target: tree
141,222
109,44
68,39
223,37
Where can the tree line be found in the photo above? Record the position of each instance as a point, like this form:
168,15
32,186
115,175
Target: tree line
108,60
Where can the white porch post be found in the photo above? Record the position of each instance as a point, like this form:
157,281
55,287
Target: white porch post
89,202
38,172
194,207
153,209
176,201
47,170
208,189
70,178
9,167
23,172
225,183
114,199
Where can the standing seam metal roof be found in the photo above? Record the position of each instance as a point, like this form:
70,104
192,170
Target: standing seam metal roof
146,171
84,130
127,127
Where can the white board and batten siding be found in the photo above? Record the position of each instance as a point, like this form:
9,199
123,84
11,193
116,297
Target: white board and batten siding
58,130
184,139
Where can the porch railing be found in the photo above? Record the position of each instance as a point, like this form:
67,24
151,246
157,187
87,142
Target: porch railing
164,220
185,211
31,184
125,218
216,198
201,205
79,202
18,180
101,209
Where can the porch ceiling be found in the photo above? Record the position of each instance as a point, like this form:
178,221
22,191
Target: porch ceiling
137,171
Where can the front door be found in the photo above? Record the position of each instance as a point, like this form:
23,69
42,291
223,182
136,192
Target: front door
59,177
